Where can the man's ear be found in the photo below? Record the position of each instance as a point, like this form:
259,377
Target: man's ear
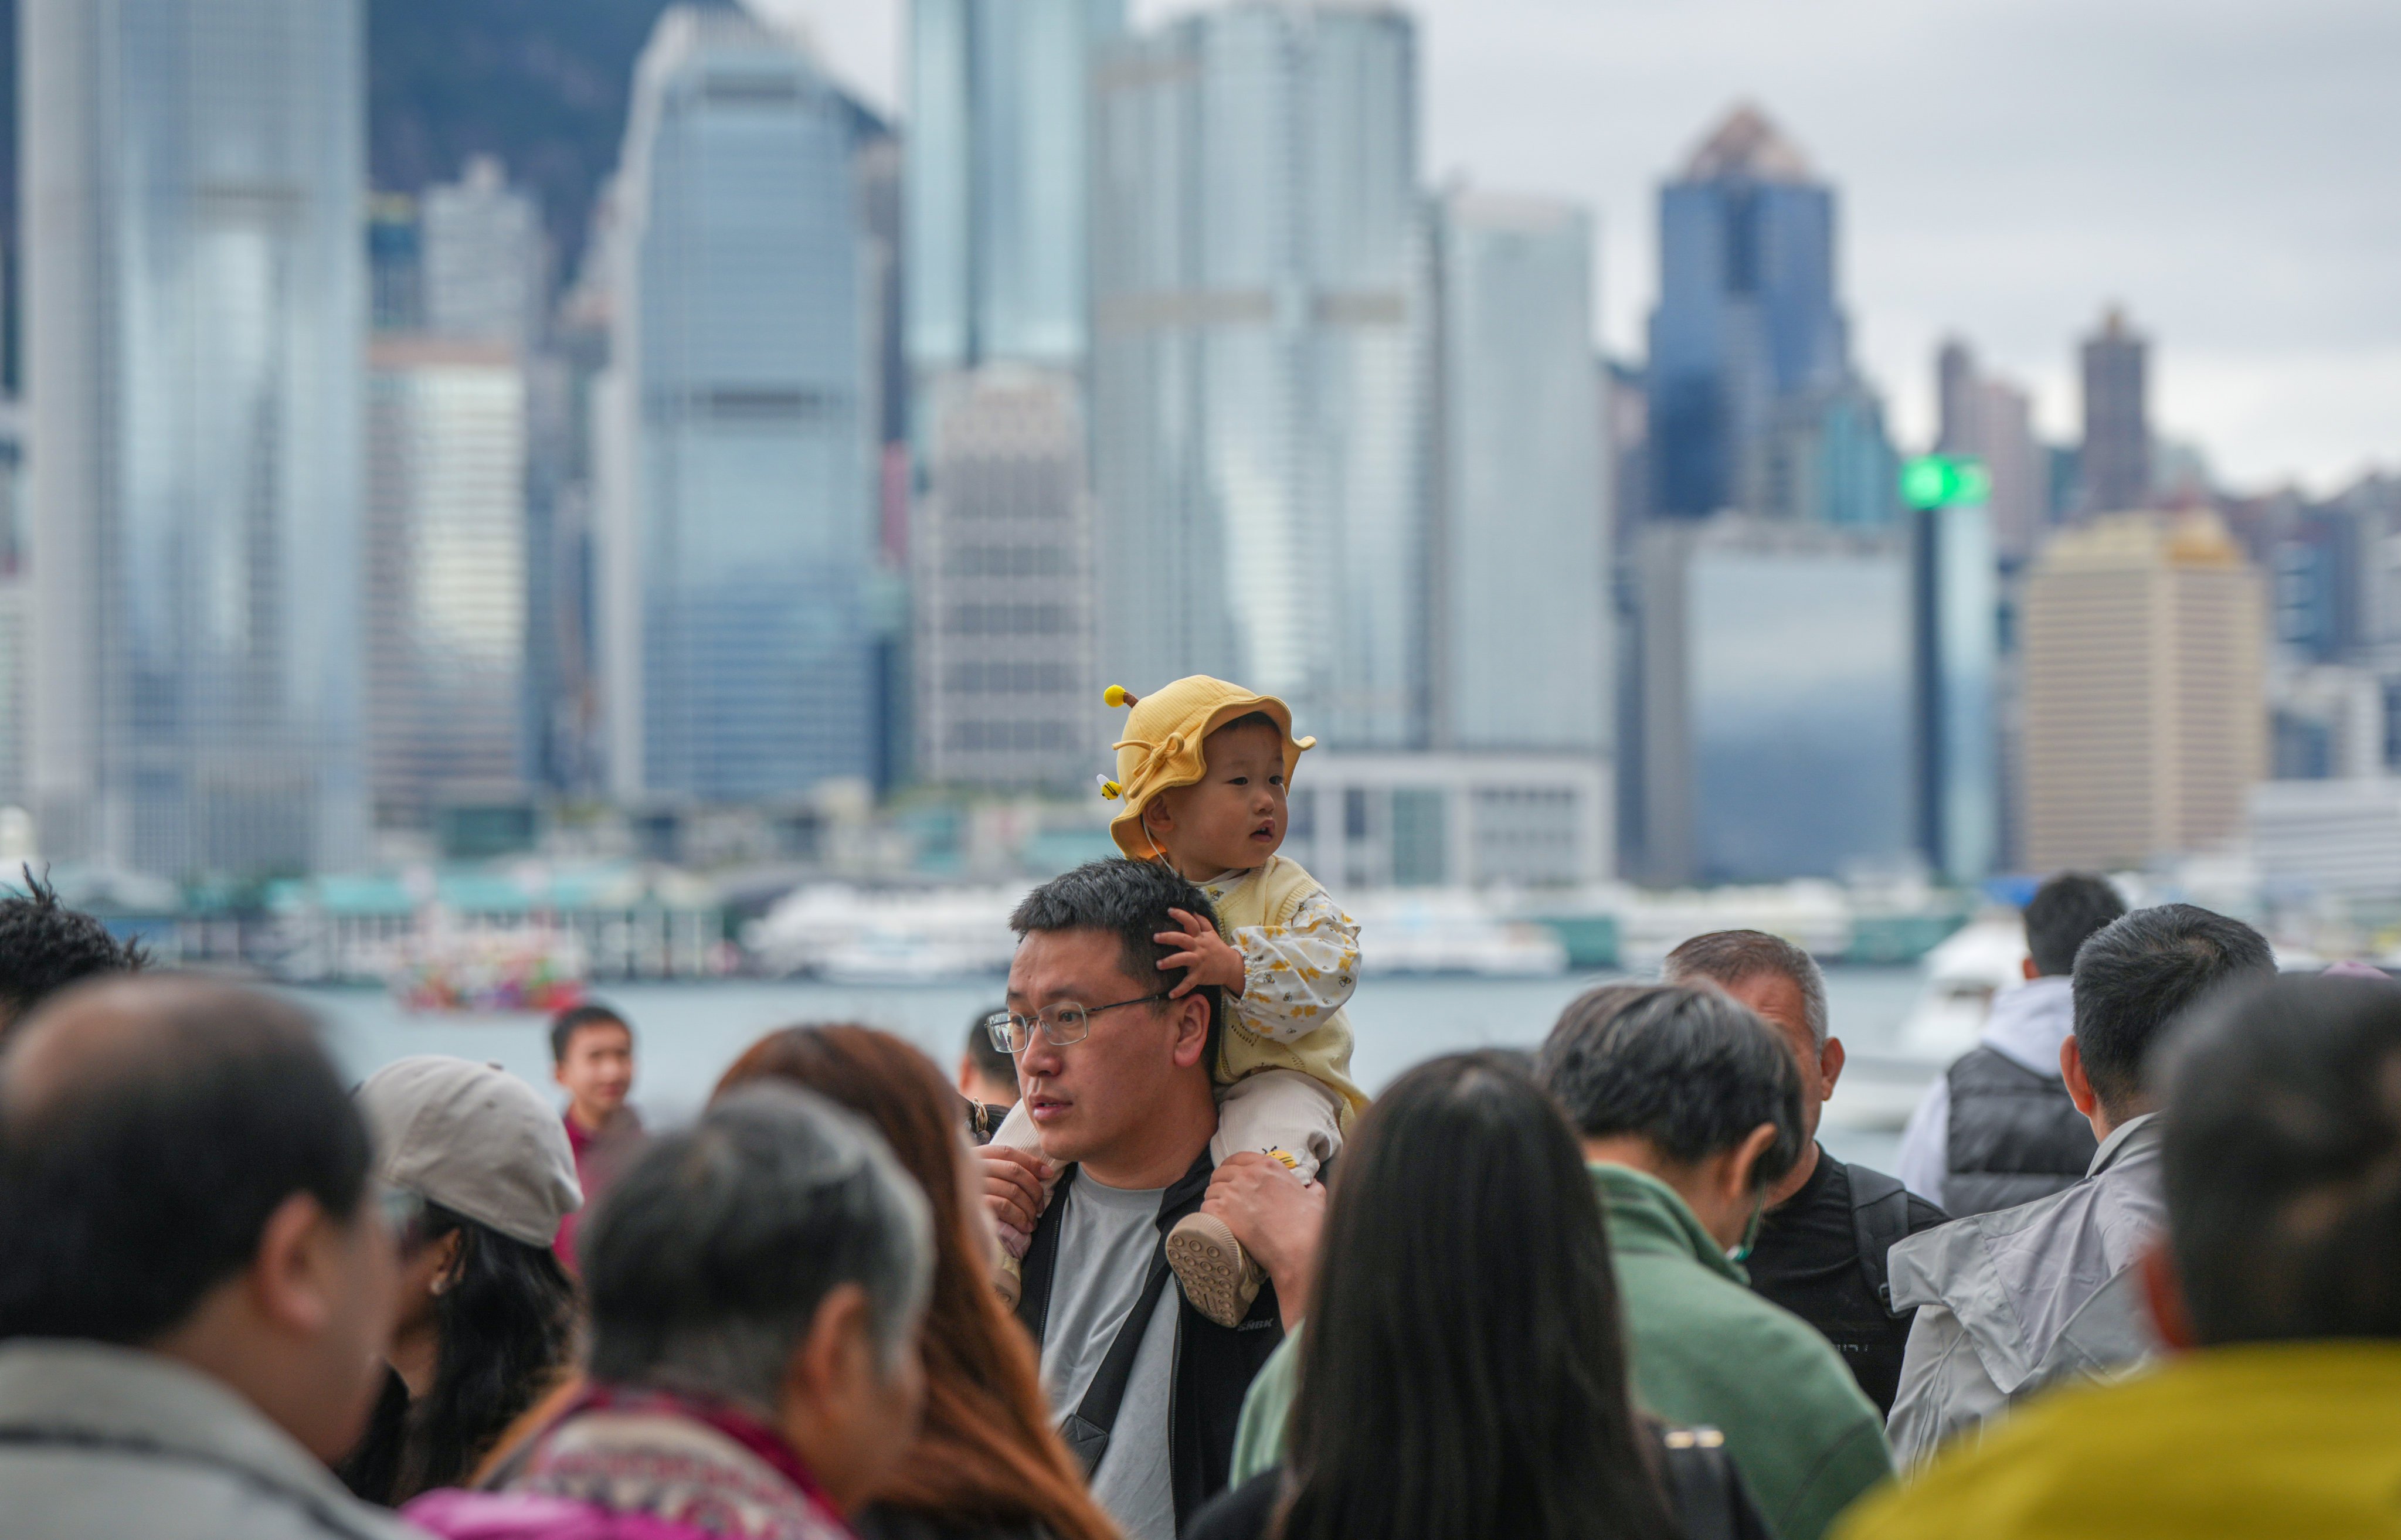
1831,1059
1741,1188
294,1277
2028,970
2080,1085
1191,1030
2164,1294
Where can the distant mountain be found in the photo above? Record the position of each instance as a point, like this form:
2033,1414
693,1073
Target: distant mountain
541,84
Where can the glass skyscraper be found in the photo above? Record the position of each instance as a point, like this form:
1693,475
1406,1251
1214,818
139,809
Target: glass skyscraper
997,156
197,309
737,527
1259,362
1520,586
1747,315
1958,635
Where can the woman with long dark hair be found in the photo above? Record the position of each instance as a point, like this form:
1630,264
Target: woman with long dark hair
1462,1374
987,1463
485,1319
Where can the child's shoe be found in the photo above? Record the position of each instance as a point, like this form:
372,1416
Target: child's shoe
1218,1278
1009,1280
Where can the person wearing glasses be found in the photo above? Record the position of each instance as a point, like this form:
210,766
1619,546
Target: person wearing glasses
1115,1065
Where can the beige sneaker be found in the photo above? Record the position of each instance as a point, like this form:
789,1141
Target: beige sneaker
1219,1280
1009,1280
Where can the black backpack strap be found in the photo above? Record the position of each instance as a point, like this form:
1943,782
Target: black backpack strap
1879,1219
1087,1428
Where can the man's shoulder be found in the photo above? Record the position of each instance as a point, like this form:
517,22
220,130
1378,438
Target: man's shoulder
1864,1186
87,1493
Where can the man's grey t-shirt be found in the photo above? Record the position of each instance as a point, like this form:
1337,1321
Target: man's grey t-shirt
1106,1239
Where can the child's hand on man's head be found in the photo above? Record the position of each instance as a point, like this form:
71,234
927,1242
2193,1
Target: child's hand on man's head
1206,957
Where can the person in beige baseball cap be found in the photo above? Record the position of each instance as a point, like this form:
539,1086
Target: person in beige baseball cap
478,1166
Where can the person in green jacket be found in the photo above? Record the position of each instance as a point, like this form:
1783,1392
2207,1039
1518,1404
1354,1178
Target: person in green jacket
1689,1108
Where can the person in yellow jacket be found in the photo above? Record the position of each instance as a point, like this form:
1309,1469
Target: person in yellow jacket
1203,771
2277,1286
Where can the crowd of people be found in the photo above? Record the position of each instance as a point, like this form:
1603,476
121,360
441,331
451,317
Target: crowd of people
1151,1264
1612,1286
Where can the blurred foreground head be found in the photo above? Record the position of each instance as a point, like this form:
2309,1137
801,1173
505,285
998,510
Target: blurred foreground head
44,946
775,1257
182,1170
2283,1163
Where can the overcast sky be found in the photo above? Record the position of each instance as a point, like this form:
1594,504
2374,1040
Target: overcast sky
2229,169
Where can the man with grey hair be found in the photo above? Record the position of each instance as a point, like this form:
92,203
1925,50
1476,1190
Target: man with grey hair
1822,1246
756,1288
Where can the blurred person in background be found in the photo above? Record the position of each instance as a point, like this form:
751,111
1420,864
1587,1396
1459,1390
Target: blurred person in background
2013,1300
1830,1226
485,1321
2277,1288
1485,1397
592,1058
987,1071
987,1465
756,1285
197,1278
1689,1110
44,946
1997,1128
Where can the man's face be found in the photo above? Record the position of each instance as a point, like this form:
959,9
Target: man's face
1778,1002
1090,1099
358,1259
597,1070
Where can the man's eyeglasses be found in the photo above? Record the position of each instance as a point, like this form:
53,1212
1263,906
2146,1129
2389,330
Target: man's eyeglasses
1062,1024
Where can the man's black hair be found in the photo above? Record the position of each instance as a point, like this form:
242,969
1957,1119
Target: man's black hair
992,1060
131,1186
567,1023
44,946
1691,1071
2282,1161
1130,900
2136,973
2062,913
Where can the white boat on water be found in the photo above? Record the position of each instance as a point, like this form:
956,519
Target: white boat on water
1963,975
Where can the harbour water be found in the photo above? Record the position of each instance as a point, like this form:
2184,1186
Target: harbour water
688,1033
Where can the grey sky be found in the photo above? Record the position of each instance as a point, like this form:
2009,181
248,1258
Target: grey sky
2229,169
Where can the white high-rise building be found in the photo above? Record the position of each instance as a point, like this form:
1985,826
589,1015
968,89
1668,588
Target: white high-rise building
445,549
1520,583
1260,333
196,303
1001,565
484,265
737,533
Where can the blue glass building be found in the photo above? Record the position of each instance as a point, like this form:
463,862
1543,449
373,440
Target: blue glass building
1259,362
738,532
1957,584
1747,315
197,312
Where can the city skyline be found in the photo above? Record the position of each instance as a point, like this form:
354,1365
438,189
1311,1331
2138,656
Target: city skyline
2200,168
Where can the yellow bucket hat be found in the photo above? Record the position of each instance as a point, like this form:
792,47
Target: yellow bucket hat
1162,744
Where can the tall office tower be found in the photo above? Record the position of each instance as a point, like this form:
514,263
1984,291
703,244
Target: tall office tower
998,158
446,555
1989,419
1519,584
2143,638
395,263
2114,463
196,308
1955,638
1259,362
1777,690
1002,572
1747,315
486,262
16,599
1825,459
736,527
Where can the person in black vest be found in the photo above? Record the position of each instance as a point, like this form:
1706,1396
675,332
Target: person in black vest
1998,1128
1116,1078
1822,1243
